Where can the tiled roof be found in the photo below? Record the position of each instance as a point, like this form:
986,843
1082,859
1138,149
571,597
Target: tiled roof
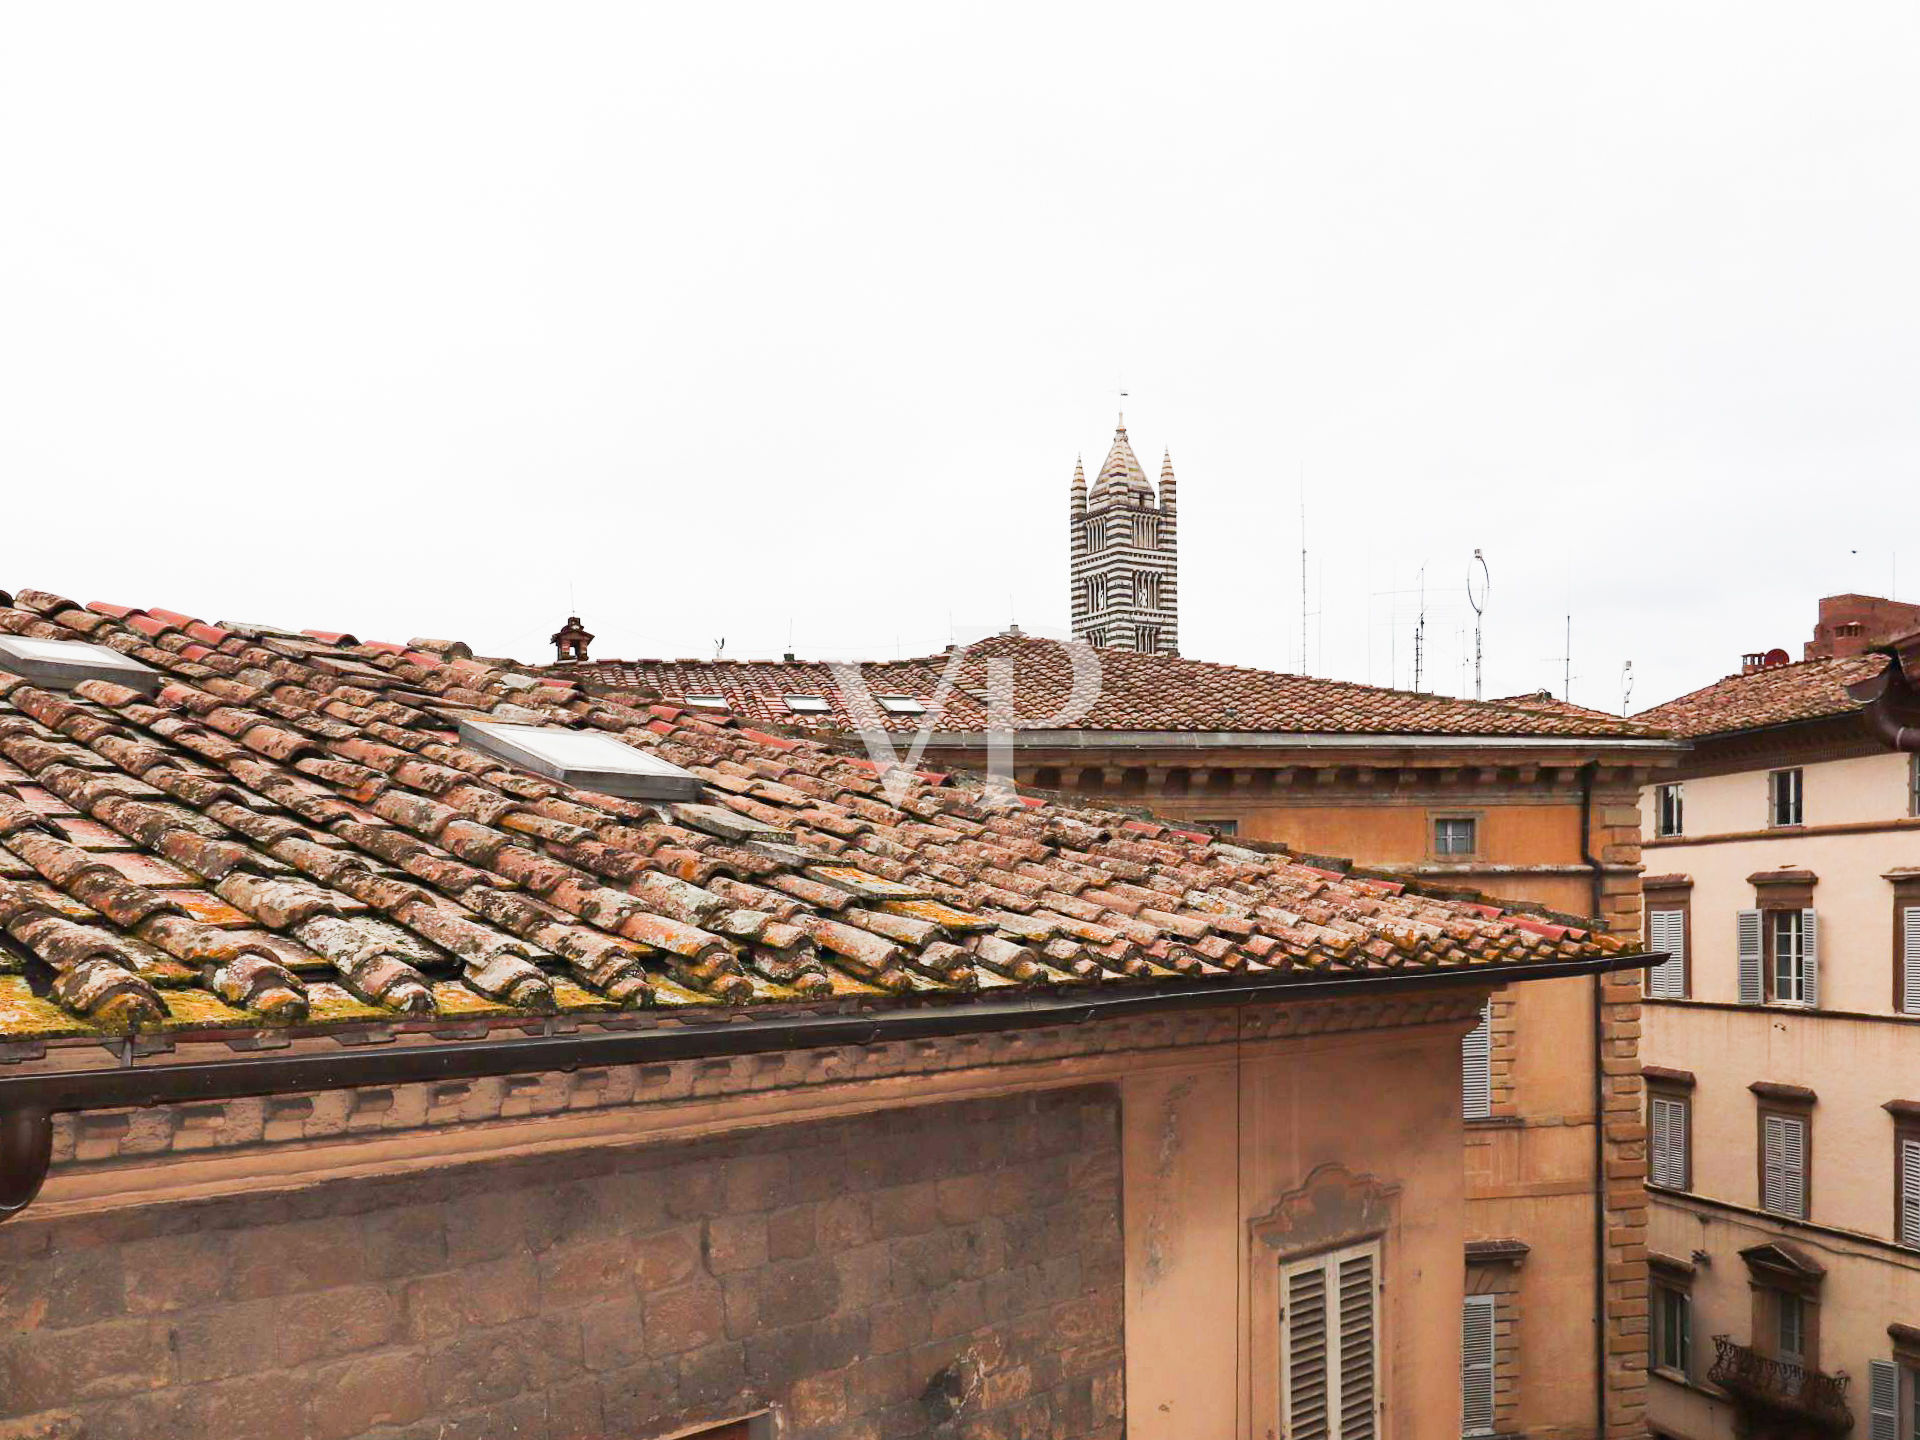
1137,692
1809,690
289,834
1547,702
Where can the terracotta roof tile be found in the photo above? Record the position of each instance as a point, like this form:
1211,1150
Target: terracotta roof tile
290,835
1781,695
1137,692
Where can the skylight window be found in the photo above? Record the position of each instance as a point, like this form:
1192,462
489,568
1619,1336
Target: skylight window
807,704
63,664
587,759
706,702
901,705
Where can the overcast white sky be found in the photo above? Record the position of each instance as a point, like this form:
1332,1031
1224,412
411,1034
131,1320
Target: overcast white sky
788,321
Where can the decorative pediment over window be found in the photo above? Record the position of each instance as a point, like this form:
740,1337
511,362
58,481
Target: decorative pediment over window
1333,1204
1784,1265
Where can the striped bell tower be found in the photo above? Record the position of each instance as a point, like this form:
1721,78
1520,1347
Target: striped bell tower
1126,572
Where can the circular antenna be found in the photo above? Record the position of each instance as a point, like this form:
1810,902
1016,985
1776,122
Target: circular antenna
1776,656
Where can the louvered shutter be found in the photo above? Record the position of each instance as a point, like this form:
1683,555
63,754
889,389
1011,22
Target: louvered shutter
1784,1167
1667,931
1330,1333
1810,957
1910,1192
1306,1335
1910,958
1358,1296
1747,937
1476,1068
1476,1365
1883,1400
1669,1126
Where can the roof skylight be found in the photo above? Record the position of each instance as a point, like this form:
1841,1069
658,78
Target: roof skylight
705,702
901,705
63,664
587,759
807,704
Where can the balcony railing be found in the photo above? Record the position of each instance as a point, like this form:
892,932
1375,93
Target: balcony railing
1780,1386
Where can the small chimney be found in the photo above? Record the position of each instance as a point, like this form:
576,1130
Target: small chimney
1753,660
570,642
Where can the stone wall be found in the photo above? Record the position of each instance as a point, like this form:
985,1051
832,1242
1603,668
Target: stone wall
953,1270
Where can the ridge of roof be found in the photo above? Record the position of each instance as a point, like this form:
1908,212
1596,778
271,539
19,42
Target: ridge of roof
1138,692
290,835
1778,695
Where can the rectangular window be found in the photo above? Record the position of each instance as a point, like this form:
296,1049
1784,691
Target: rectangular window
1784,797
1330,1343
1223,827
1476,1068
1668,818
1669,1129
1454,836
1790,1340
1789,960
806,704
1670,1331
1750,947
1476,1365
1783,1165
1667,934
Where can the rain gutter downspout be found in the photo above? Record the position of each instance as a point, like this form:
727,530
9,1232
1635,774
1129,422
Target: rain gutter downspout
1588,773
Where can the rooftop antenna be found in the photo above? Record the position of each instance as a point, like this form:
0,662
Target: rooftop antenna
1566,665
1626,687
719,646
1420,637
1303,569
1479,603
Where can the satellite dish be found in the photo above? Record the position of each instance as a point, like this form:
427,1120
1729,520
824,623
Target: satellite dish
1776,656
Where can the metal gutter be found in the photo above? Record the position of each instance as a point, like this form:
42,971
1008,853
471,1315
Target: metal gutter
1283,740
27,1101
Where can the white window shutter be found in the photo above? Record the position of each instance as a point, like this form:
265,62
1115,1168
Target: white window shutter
1883,1400
1910,958
1476,1365
1810,956
1773,1190
1910,1192
1747,937
1669,1126
1476,1068
1667,932
1331,1330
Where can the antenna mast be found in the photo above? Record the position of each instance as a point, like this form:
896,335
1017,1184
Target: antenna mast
1303,571
1479,609
1626,687
1420,635
1566,665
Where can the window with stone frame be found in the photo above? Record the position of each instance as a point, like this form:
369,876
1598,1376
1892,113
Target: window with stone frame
1906,940
1906,1172
1785,1281
1490,1337
1777,943
1893,1388
1669,930
1670,1318
1785,1146
1669,1127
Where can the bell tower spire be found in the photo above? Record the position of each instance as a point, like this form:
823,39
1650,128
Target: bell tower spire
1125,571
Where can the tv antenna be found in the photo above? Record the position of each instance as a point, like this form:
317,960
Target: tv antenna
1626,687
1420,637
1303,571
1479,603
